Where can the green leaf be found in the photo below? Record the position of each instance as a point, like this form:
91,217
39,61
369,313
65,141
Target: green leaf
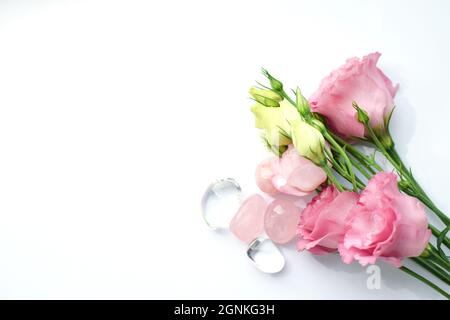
439,241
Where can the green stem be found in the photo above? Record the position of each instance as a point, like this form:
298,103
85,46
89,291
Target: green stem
359,184
285,95
361,169
332,178
426,281
339,168
342,152
333,142
367,161
444,263
405,174
440,262
436,233
381,148
433,269
419,192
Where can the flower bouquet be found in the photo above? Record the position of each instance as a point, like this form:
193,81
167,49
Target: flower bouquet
366,206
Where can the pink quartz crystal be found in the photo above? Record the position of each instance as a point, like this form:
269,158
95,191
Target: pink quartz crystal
248,222
280,220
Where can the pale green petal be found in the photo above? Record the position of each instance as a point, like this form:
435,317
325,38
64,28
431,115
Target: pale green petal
276,123
255,92
308,141
275,138
289,111
267,118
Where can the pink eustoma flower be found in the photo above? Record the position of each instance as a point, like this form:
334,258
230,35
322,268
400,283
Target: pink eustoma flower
291,174
322,222
360,81
385,224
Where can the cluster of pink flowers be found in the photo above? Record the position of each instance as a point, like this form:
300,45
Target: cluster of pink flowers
361,211
379,222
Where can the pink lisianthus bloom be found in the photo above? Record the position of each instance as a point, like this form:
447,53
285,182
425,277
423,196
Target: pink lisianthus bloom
322,222
291,174
385,224
360,81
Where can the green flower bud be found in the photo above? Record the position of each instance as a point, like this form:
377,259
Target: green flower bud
302,103
404,184
319,125
265,93
274,83
385,138
362,115
267,98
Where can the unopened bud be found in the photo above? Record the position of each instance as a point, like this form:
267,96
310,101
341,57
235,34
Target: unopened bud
386,140
276,85
302,103
404,184
266,97
319,125
362,115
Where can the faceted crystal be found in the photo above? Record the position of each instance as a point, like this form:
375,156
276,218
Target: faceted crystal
281,220
248,222
265,255
220,202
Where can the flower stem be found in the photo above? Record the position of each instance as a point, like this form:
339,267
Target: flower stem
360,167
421,195
332,178
444,263
436,233
336,145
426,281
342,152
365,160
432,268
340,169
395,160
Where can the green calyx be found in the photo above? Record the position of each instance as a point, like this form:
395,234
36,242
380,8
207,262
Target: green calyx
362,115
276,85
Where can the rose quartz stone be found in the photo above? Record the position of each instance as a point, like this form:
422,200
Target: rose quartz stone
248,222
280,220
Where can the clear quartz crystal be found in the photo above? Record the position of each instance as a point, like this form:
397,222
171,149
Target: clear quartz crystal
220,203
265,255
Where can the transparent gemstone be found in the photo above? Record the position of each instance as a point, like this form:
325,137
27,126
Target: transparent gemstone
220,203
265,255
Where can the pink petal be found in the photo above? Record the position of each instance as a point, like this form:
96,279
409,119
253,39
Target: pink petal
307,177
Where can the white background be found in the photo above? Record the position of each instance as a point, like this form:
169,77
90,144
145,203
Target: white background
115,115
